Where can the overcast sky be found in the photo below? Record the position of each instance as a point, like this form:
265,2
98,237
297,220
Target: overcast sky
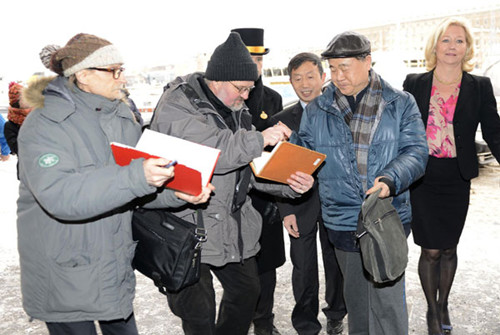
166,31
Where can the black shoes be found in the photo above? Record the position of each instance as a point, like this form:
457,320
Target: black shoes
334,327
447,329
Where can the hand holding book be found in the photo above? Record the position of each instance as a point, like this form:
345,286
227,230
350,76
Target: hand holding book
300,182
284,160
206,192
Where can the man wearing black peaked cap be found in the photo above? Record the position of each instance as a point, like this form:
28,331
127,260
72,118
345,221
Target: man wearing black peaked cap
263,102
374,138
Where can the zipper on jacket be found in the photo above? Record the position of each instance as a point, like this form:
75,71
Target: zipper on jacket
206,111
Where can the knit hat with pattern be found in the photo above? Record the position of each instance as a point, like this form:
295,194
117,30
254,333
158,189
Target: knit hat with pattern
16,111
14,93
46,54
231,61
83,51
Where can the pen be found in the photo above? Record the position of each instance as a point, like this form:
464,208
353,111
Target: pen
172,163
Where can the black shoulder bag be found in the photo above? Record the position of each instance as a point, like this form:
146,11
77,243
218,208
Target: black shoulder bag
168,249
382,239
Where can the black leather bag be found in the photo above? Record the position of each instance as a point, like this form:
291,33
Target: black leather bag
168,249
382,239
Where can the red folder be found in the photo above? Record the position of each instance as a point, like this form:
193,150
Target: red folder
195,162
185,180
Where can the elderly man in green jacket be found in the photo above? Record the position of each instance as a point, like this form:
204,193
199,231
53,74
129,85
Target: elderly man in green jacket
75,204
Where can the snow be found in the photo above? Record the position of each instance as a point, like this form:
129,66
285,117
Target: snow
474,300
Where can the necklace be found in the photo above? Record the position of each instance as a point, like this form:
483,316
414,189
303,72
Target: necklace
459,78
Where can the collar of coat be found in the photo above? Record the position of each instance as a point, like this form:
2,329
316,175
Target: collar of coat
63,105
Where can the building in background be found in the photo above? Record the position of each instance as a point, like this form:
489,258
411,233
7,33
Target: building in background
398,46
397,49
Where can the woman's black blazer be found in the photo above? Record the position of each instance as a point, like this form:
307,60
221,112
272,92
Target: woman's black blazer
476,104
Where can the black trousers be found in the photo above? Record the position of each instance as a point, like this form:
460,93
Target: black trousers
270,257
264,317
305,282
195,304
115,327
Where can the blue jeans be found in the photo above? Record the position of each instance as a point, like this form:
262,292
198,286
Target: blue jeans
114,327
195,304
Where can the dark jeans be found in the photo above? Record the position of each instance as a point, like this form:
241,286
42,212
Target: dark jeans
195,304
115,327
304,257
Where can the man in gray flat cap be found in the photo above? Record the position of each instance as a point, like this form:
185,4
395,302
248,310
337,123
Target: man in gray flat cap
374,139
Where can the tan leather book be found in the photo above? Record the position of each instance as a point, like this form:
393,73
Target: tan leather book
285,159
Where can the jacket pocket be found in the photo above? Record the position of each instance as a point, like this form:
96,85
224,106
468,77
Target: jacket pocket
129,270
251,228
74,289
215,227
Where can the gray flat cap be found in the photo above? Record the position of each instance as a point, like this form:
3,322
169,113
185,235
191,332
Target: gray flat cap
347,44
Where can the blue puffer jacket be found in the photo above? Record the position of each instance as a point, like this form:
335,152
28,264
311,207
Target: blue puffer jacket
398,150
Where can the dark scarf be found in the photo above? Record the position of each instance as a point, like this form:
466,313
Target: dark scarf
223,110
362,121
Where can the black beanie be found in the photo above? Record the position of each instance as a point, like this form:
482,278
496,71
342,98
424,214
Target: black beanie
231,61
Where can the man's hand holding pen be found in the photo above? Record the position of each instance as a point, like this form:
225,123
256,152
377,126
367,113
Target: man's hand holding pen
278,132
156,171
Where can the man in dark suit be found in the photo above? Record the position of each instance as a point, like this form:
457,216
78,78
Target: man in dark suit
263,102
302,220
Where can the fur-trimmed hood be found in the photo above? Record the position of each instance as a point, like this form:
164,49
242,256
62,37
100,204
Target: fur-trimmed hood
33,93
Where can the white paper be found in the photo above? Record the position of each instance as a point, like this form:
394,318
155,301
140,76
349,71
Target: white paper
194,155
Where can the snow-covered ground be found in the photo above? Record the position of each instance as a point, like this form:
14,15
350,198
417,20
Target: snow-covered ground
474,301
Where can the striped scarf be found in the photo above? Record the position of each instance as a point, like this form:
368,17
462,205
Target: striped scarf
362,120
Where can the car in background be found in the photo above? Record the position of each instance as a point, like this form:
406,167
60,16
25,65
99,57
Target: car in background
484,155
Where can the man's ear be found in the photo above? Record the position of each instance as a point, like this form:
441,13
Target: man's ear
215,86
369,61
82,76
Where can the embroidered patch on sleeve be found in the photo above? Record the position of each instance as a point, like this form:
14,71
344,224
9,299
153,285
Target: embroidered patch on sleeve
48,160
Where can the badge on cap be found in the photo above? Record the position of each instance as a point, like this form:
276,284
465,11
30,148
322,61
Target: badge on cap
48,160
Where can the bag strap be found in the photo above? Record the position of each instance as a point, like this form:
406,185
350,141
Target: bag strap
200,232
366,208
243,178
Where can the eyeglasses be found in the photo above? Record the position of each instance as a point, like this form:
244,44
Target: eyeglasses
117,71
243,90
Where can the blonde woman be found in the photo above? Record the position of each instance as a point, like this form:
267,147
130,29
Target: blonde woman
452,103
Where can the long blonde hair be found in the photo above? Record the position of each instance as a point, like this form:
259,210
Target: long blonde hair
430,50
